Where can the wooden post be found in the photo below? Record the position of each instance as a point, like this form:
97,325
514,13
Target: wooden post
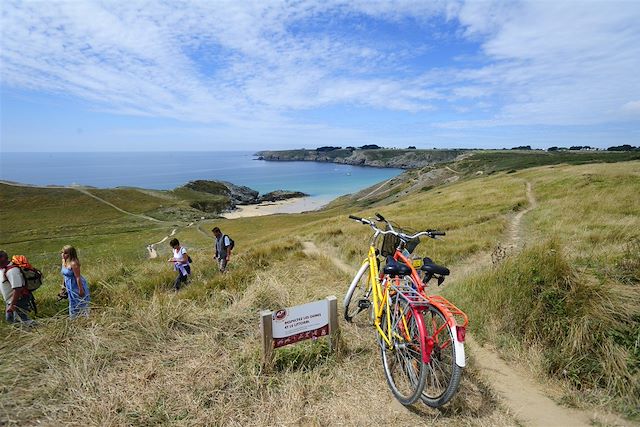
267,338
334,333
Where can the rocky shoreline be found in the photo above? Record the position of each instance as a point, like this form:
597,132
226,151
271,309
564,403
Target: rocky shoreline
228,195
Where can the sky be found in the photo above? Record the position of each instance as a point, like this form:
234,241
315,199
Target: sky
248,75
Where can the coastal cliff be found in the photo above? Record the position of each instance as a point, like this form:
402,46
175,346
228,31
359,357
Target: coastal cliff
383,158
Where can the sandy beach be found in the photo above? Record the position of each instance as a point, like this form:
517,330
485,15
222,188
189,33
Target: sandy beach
297,205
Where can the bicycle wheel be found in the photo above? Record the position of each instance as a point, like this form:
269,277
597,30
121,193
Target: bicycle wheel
358,298
404,368
443,373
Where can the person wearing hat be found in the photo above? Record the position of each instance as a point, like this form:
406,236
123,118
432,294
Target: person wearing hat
14,292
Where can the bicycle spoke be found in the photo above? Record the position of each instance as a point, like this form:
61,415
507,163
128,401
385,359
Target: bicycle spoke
405,371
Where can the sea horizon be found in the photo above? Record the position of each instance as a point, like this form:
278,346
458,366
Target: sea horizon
166,170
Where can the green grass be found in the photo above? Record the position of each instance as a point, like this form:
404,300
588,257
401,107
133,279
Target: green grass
146,356
509,160
584,327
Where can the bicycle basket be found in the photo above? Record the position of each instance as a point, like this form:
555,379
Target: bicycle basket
390,242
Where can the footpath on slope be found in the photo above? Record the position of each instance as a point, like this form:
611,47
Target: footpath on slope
86,193
519,392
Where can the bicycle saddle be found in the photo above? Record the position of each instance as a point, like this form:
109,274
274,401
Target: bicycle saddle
395,268
430,267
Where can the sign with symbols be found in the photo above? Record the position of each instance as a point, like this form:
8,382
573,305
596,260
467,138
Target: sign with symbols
289,325
301,322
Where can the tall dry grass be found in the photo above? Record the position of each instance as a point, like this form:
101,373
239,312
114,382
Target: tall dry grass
194,358
585,328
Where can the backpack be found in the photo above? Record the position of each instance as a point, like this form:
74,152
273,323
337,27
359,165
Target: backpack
32,276
232,244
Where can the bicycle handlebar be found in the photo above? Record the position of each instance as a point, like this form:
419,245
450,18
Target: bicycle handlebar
428,233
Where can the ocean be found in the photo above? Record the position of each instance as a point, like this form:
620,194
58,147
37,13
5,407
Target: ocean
167,170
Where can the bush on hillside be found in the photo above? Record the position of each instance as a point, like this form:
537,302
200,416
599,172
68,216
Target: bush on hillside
211,187
586,327
625,147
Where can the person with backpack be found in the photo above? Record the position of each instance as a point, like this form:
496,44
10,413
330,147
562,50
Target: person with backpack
76,285
224,246
181,261
15,293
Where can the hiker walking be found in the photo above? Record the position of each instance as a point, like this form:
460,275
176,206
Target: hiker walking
180,262
75,285
224,245
14,292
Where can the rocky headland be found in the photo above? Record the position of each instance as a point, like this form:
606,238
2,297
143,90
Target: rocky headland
223,196
375,157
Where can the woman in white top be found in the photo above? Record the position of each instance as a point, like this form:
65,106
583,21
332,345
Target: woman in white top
180,262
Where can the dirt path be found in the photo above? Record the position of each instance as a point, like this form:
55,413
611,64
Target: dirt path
375,190
515,232
151,248
454,171
86,192
310,249
518,391
201,231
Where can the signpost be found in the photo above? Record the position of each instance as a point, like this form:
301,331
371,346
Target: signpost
289,325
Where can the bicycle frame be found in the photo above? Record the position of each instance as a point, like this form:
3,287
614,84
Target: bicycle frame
447,308
380,300
430,322
380,296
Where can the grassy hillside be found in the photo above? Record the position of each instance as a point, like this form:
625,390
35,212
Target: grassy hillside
572,296
148,356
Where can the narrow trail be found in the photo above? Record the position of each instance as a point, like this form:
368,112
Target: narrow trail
201,231
515,232
86,192
521,393
518,391
454,171
310,249
151,248
375,190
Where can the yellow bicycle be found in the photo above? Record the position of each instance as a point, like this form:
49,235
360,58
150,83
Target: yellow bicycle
420,338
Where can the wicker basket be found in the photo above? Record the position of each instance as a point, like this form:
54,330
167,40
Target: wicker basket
390,242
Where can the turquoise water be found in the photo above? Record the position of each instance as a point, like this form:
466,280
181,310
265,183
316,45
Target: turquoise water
168,170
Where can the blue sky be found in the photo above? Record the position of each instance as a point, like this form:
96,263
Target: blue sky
229,75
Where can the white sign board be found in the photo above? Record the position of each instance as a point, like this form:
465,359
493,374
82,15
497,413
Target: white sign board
301,322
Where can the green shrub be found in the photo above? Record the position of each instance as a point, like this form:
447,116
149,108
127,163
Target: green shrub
587,328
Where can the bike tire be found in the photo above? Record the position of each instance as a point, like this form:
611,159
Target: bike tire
358,292
443,373
404,368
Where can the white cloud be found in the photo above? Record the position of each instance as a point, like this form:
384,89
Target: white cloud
556,63
632,107
254,63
